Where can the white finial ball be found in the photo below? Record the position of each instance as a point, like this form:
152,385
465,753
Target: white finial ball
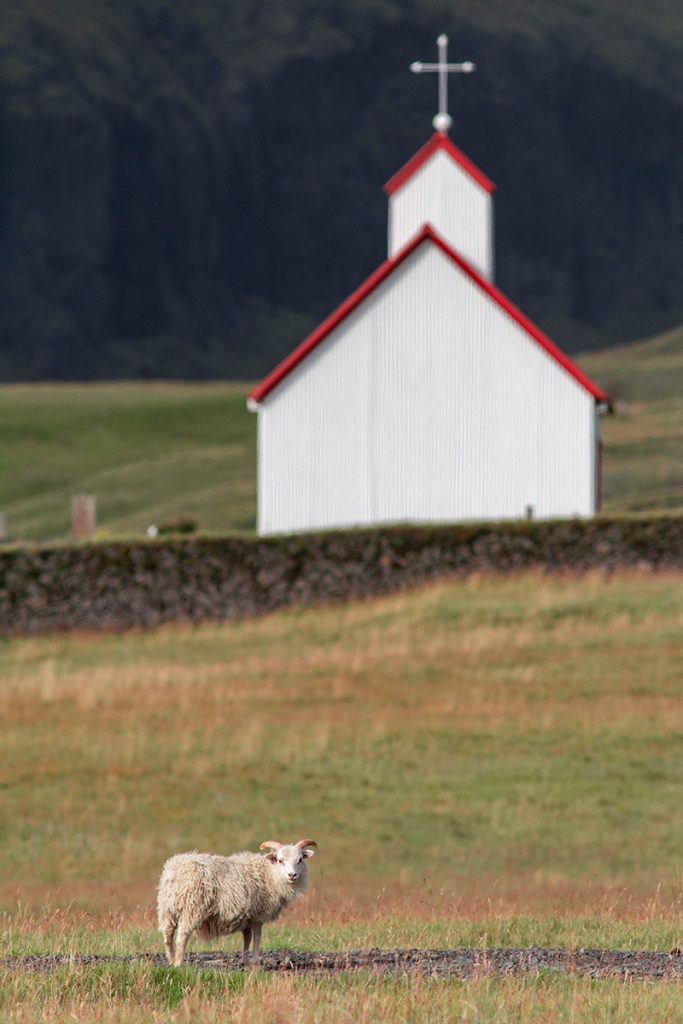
442,122
442,40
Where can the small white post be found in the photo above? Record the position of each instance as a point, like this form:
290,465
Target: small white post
83,516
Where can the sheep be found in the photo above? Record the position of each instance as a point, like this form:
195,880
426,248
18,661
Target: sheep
213,895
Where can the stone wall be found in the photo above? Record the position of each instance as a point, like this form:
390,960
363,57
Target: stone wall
116,586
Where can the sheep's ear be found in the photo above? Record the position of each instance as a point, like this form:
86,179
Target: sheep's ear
272,857
308,853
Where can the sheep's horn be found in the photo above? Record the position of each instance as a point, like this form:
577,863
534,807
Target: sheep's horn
303,843
270,843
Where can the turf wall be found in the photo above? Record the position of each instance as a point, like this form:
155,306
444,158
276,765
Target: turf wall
132,584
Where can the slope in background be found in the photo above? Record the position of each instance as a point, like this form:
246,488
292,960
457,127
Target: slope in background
151,453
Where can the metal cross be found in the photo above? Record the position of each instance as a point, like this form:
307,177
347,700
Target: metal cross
443,120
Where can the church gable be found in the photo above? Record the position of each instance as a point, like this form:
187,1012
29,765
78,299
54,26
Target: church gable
441,192
489,295
427,401
438,144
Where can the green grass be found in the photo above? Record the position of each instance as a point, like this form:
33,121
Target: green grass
150,453
643,460
644,371
619,920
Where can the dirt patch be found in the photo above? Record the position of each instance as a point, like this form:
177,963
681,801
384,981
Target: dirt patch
447,963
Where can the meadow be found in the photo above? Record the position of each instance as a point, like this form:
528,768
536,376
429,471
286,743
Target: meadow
130,443
490,762
643,439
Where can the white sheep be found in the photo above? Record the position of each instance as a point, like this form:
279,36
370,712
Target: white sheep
213,895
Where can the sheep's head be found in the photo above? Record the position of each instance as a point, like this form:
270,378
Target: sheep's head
290,860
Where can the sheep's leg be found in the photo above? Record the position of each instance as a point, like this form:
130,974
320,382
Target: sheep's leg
169,933
246,938
257,944
181,942
168,928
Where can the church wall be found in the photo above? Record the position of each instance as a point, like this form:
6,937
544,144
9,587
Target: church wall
440,193
428,403
312,438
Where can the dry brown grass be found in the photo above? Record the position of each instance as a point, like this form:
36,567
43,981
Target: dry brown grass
46,908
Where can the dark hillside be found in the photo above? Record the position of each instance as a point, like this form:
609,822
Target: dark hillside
186,188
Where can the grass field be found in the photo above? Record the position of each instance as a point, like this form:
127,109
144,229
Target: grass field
140,995
483,763
152,453
644,439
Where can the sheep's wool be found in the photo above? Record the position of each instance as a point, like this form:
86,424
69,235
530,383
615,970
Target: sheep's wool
213,895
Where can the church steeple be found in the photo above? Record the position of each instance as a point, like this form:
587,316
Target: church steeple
441,187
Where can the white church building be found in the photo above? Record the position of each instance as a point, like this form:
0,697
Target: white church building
427,396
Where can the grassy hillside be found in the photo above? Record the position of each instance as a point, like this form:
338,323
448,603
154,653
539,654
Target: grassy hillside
154,452
644,438
505,722
149,452
643,371
494,762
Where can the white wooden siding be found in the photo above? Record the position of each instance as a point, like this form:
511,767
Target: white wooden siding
442,194
429,403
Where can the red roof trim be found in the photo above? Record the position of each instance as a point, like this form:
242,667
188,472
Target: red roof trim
383,271
328,325
438,141
517,315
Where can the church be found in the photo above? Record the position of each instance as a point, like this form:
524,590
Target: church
427,396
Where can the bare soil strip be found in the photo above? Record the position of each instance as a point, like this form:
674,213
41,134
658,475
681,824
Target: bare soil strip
447,963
